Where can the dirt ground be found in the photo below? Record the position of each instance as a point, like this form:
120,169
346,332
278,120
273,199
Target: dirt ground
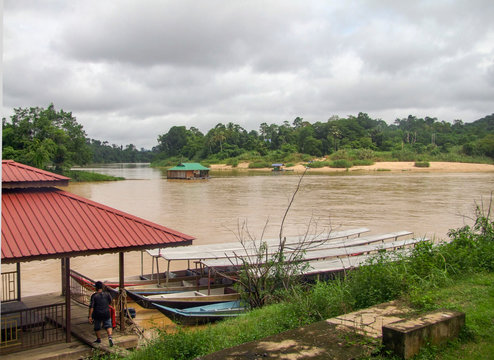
382,166
317,341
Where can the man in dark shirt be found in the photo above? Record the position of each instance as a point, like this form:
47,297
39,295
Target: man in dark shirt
99,312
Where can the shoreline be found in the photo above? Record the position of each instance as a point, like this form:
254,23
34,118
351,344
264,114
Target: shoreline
385,166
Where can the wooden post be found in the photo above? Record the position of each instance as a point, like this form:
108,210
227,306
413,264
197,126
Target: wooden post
62,262
142,264
121,285
18,268
66,275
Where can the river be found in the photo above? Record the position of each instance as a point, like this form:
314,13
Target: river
429,204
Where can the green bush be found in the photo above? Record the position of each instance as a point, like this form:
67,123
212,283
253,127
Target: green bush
422,164
259,165
341,164
404,155
318,164
81,175
364,154
362,162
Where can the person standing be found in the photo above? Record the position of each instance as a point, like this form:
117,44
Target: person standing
99,312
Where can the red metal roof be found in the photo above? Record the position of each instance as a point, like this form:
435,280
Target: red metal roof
42,223
15,174
48,223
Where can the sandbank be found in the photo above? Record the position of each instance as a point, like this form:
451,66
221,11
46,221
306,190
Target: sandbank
393,166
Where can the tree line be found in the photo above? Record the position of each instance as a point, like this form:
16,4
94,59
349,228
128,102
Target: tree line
418,135
47,138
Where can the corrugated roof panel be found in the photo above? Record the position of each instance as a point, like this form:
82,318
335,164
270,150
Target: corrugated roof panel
188,167
14,172
45,222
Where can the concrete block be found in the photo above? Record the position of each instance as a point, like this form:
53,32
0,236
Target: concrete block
406,337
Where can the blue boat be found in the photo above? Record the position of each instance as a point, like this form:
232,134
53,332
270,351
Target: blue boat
203,314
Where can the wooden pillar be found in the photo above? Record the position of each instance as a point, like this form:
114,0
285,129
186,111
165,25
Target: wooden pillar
121,285
62,262
142,264
18,269
66,275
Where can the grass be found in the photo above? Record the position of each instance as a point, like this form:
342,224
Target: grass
472,294
81,175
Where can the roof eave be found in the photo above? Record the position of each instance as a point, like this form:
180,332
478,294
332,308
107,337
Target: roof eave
15,260
33,184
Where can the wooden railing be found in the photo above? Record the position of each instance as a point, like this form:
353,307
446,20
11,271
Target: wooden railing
24,328
81,288
10,289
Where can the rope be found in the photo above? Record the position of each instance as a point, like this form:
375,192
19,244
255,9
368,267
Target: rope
122,298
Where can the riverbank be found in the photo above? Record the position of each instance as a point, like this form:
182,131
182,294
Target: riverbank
393,166
455,275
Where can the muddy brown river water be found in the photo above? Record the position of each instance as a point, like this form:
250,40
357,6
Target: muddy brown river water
426,203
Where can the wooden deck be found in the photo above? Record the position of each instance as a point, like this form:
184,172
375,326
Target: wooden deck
82,335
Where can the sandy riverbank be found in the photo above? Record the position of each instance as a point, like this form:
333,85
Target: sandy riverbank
383,166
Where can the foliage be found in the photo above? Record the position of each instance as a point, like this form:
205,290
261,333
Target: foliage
359,139
422,164
106,153
44,138
49,138
259,165
318,164
362,162
341,164
80,175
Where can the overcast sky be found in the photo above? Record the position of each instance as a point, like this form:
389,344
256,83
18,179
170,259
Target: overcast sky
129,70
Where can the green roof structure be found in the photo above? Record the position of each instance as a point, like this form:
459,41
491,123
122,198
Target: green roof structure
188,166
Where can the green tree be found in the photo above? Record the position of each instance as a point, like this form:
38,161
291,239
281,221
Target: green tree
44,138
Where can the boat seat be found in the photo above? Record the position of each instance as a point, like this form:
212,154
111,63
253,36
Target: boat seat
199,293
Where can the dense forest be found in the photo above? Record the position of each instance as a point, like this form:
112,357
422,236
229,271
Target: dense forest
47,138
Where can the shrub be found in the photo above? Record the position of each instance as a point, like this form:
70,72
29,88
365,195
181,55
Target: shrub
404,155
341,164
422,164
318,164
81,175
362,162
259,165
340,154
364,154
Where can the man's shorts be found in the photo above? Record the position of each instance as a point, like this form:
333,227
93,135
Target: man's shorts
106,324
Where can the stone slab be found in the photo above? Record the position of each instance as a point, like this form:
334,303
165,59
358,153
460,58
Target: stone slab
370,321
406,337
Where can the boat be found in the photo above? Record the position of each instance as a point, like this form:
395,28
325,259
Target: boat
184,286
203,314
186,280
185,299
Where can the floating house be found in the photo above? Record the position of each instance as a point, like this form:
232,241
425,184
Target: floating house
278,167
42,222
188,171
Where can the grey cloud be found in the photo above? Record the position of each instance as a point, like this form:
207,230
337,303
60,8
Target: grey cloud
129,70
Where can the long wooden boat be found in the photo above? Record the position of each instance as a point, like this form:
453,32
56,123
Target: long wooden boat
203,314
181,300
160,289
179,283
